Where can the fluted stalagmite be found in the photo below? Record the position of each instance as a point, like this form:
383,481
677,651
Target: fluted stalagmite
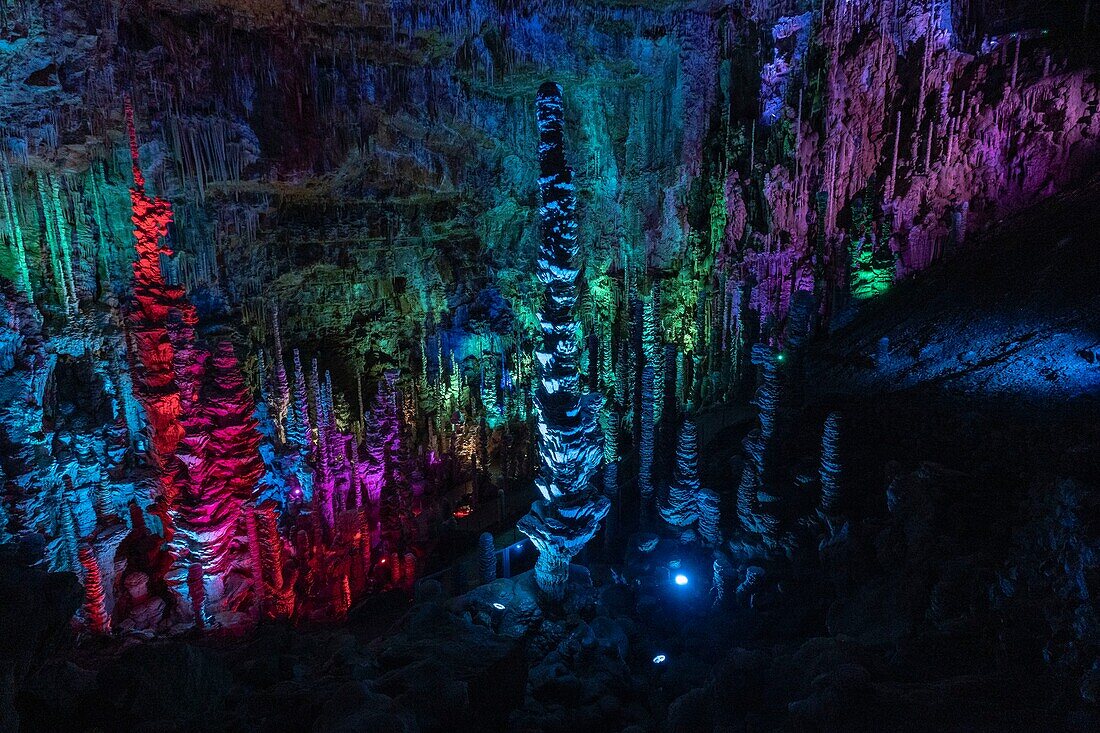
297,431
680,504
569,513
259,588
710,516
648,437
652,347
95,599
486,558
746,497
755,503
281,396
220,452
830,466
723,571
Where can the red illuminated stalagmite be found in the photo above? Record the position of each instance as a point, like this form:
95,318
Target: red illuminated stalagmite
151,348
95,599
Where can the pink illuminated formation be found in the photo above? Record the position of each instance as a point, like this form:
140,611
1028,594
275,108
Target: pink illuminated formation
227,553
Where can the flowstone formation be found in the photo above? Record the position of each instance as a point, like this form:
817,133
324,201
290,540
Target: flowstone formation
569,441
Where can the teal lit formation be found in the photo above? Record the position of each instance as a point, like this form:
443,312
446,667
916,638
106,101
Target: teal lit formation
569,443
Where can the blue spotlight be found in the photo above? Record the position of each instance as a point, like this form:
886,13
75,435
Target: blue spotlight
659,659
680,579
498,606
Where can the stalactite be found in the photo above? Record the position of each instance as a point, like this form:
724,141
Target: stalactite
9,210
1015,63
53,248
568,515
64,244
752,582
892,180
95,600
486,558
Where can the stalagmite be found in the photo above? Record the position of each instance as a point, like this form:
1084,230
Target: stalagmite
486,558
255,556
646,443
746,498
610,425
757,515
830,466
66,529
679,506
298,418
224,468
710,518
568,515
95,600
652,347
197,593
722,571
282,385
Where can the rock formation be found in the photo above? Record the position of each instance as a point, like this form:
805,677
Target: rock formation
568,515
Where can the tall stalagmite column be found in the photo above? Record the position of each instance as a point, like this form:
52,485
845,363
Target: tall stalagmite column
679,506
153,358
569,514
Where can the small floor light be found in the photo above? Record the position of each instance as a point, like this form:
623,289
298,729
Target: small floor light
659,659
498,606
680,579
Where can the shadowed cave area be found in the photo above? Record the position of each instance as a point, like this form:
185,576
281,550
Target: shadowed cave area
549,365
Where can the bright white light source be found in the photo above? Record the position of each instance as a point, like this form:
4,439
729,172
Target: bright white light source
680,579
498,606
659,659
